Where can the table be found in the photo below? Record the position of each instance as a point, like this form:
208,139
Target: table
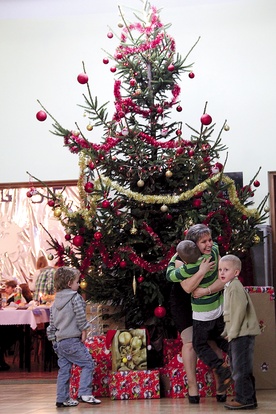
29,319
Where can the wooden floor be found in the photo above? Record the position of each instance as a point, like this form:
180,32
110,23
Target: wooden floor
39,398
35,393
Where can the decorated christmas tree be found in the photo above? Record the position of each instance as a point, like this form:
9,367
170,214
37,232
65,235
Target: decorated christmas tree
147,180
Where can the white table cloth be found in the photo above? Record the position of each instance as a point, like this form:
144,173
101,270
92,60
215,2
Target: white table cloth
32,317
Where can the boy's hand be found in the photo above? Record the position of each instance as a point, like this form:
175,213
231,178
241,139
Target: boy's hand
206,265
83,336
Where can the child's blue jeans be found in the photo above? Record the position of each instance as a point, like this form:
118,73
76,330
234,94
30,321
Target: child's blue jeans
73,351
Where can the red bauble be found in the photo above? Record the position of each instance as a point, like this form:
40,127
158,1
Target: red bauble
220,239
109,35
206,119
91,165
82,78
98,235
171,67
169,216
123,264
29,194
140,279
105,204
67,237
51,203
191,75
78,241
89,187
179,108
132,82
160,312
113,69
105,61
191,153
256,183
197,203
41,116
179,151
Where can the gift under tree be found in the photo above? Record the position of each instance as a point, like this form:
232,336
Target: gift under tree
148,179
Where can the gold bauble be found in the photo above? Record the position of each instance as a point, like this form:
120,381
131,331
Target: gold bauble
256,239
168,173
267,209
124,360
164,208
140,183
57,212
89,127
83,284
133,230
50,256
226,127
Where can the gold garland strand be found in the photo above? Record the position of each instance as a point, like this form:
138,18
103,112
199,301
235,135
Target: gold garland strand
149,199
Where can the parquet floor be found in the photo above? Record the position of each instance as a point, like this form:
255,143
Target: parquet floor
34,393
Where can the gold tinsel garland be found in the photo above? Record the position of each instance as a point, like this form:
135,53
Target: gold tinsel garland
149,199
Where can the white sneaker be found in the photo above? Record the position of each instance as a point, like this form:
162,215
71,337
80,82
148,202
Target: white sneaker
90,399
68,403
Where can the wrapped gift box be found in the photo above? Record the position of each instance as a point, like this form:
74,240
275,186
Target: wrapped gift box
102,358
263,298
171,348
131,385
129,350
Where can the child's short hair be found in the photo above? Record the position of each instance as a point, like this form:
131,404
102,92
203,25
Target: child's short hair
11,283
232,258
63,276
188,251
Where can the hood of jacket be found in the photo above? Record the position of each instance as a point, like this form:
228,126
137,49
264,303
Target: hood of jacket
63,297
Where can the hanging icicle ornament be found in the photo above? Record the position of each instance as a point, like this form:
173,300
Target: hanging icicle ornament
134,285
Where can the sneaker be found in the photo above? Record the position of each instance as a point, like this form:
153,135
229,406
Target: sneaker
224,378
68,403
90,399
235,405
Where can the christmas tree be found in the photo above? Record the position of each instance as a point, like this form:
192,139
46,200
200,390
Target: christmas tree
143,185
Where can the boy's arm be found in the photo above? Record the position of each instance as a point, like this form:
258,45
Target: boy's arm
191,283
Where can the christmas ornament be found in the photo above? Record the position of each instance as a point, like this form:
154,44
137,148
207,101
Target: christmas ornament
124,360
168,174
256,239
140,279
98,235
41,116
206,119
82,78
132,82
109,35
105,61
267,209
91,165
160,311
191,75
83,284
67,237
179,108
226,127
133,230
171,68
78,241
50,256
140,183
105,204
134,285
29,194
197,203
89,127
256,183
164,208
89,187
113,69
123,264
164,132
191,153
57,212
51,203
